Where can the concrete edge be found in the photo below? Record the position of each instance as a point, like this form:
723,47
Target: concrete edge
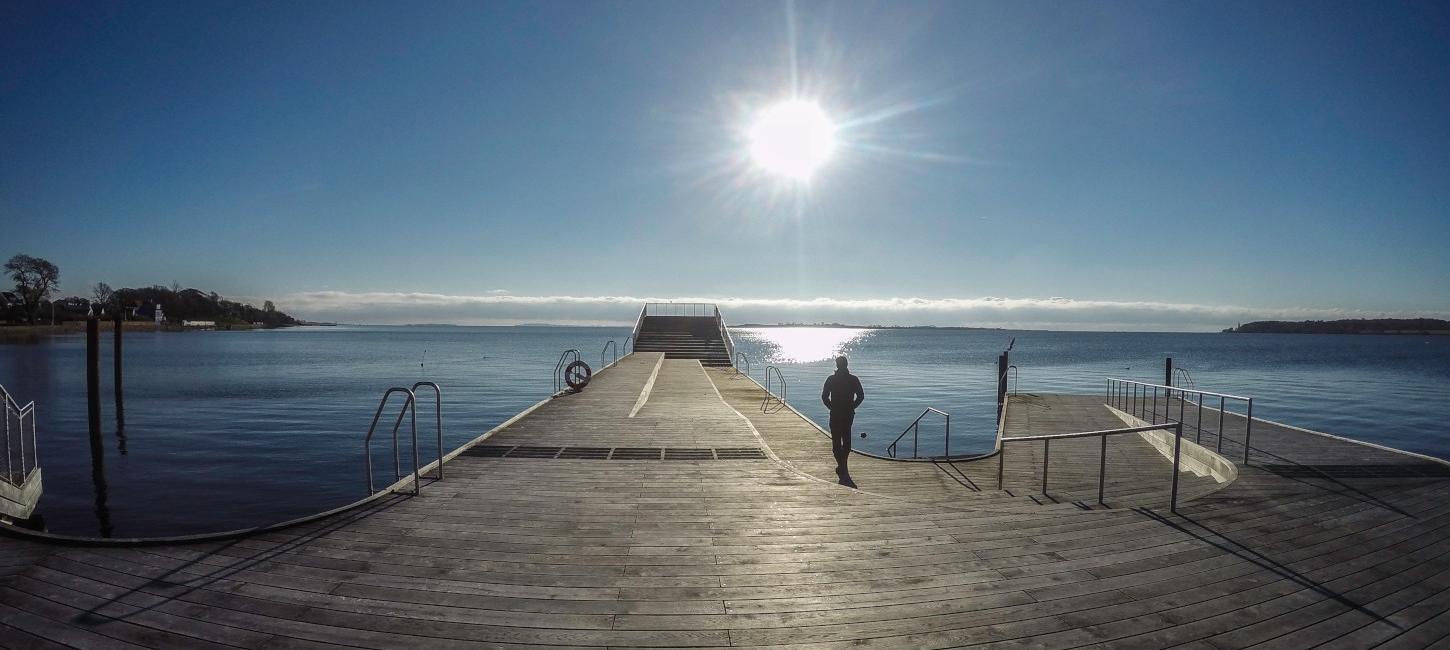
1194,457
1332,436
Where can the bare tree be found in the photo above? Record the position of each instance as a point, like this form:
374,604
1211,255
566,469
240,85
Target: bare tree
269,307
103,294
34,279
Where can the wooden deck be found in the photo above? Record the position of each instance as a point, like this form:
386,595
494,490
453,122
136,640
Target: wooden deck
702,522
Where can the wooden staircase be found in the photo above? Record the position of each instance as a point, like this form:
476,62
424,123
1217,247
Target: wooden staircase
683,337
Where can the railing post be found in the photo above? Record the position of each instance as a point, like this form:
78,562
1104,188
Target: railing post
915,436
1155,405
1199,427
1248,430
1102,466
1177,452
417,480
1220,424
1046,454
949,435
1001,461
9,462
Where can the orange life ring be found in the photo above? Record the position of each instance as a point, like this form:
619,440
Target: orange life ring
577,375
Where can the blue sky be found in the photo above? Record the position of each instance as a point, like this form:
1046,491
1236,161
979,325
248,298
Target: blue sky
1085,165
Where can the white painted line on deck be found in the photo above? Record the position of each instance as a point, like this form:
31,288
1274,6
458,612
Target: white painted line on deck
648,386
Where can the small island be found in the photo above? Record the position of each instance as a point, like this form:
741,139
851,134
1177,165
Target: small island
1420,326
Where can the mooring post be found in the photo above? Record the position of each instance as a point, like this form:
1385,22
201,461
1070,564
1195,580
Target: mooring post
93,373
120,400
1168,372
1001,384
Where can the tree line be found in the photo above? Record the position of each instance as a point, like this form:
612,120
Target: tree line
1348,326
37,281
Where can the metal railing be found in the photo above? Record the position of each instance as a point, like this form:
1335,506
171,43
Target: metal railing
741,357
564,359
18,465
915,430
437,413
409,407
725,334
1013,371
602,354
1132,397
628,343
779,400
638,324
680,309
1177,428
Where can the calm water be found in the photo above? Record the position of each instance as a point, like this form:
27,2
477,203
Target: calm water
232,429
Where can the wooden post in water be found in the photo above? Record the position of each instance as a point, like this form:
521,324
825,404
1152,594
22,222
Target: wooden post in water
120,402
93,403
1001,384
1168,372
93,373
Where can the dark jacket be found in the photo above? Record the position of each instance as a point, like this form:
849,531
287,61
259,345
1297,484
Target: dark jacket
842,392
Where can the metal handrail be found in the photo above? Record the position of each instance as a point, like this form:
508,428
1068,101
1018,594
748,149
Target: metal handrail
638,324
607,347
765,403
1013,371
1131,397
1177,388
1187,379
725,334
559,367
678,308
438,413
1047,439
739,357
27,465
628,341
408,406
915,430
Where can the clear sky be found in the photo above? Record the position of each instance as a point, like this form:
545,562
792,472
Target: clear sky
1162,165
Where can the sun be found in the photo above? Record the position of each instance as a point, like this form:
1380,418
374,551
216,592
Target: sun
792,139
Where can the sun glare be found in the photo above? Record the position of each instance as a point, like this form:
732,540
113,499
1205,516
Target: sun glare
792,139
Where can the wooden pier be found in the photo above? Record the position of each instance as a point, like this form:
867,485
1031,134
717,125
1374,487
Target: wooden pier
661,507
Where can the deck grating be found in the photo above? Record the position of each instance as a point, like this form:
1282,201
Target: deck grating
637,453
585,453
617,453
689,453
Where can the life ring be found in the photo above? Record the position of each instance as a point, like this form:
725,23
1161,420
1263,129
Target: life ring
577,375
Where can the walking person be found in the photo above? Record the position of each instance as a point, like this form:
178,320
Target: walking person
842,394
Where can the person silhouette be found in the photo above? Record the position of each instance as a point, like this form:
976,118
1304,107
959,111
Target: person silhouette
842,394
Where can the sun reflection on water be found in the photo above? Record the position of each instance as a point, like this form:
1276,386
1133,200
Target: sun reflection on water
803,344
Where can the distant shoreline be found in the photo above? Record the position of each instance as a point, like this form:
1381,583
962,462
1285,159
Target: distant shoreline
1356,326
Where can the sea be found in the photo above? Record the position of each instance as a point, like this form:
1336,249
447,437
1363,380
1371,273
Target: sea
232,429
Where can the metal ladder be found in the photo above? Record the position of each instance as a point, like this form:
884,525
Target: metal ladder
410,410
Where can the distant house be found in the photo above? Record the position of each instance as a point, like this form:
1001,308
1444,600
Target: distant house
74,303
9,299
199,323
151,311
